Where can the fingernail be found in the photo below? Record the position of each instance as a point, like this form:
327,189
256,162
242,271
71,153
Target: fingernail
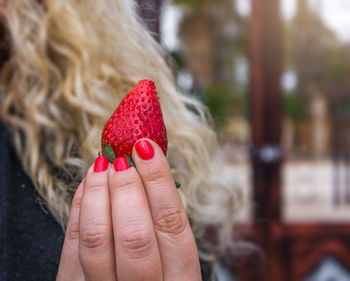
144,149
101,164
121,164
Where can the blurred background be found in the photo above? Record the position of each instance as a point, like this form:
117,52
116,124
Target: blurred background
275,75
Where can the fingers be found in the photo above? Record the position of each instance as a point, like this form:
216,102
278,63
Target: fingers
137,252
175,239
129,224
96,245
70,268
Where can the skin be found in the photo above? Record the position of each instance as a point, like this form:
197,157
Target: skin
129,225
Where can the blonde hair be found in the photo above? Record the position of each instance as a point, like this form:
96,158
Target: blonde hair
70,64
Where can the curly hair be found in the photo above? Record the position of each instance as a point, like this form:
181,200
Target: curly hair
69,65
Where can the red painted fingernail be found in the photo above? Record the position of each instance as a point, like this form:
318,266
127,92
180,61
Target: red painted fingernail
101,164
144,149
121,164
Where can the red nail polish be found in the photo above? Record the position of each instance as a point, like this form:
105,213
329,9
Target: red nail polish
101,164
121,164
144,149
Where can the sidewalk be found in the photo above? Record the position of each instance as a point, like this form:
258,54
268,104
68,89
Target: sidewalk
307,192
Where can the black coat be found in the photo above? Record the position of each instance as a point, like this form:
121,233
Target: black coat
30,238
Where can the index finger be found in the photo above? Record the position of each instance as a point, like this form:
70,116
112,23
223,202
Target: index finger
175,238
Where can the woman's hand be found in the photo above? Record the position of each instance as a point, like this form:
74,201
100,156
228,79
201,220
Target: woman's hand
129,224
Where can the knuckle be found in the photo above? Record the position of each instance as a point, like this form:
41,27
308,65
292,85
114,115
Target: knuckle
96,187
73,231
170,220
96,182
156,175
94,236
76,203
136,241
126,183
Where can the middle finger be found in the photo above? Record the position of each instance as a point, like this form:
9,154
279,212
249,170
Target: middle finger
137,252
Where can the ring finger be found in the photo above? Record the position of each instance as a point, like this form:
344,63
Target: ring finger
96,247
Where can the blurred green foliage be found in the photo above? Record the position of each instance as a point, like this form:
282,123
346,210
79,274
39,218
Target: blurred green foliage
294,107
313,50
225,101
213,36
320,60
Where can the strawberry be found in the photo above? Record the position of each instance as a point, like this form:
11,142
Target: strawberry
138,116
